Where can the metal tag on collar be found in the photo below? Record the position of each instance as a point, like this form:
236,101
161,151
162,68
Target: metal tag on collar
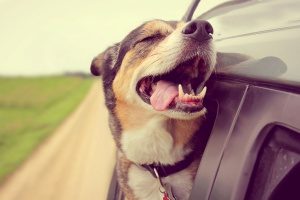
165,189
168,190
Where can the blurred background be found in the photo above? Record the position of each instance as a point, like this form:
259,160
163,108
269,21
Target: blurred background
54,138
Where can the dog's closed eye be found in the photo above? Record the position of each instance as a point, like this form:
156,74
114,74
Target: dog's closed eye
149,39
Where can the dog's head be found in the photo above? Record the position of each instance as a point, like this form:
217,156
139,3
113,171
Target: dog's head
160,67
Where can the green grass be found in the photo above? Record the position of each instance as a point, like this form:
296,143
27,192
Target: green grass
30,110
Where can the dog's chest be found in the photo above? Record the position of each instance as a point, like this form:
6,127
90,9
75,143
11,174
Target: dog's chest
152,143
146,187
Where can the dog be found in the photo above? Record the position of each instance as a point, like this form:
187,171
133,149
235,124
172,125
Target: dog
154,84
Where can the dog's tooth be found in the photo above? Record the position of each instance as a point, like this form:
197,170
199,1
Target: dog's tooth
202,93
180,91
192,92
186,96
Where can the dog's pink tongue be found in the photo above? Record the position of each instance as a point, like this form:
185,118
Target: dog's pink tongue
163,95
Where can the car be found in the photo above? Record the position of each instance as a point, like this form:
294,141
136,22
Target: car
253,102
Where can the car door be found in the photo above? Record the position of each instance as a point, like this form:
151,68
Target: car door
253,150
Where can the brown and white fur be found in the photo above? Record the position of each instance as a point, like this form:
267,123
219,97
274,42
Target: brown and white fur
143,134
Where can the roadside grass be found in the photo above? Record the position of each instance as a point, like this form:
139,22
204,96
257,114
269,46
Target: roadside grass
30,110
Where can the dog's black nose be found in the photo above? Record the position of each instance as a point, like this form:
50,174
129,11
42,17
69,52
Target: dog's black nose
198,29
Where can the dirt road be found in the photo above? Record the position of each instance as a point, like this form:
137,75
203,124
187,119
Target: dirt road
75,163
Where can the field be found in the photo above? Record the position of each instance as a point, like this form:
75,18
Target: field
30,110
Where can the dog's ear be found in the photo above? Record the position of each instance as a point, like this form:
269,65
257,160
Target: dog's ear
97,64
108,57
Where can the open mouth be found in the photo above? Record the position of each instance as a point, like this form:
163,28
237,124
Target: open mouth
181,89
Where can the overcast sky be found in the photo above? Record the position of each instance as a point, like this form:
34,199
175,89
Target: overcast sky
54,36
